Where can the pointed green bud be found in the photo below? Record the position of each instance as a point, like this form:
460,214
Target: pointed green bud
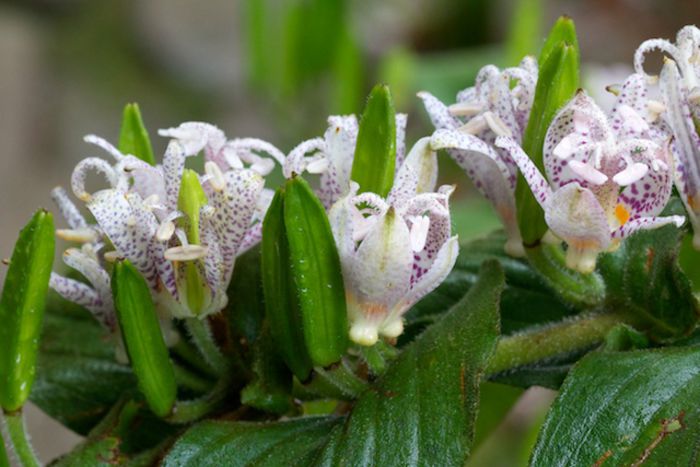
22,309
190,201
563,31
133,137
281,304
375,152
143,338
315,265
557,83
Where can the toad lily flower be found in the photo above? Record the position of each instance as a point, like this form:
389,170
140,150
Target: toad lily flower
468,129
680,90
187,258
606,181
332,156
394,251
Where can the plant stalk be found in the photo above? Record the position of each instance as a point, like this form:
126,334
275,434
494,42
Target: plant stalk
576,334
16,429
204,341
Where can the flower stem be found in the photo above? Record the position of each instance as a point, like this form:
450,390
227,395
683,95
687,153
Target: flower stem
4,460
569,336
586,290
191,380
194,409
201,336
14,422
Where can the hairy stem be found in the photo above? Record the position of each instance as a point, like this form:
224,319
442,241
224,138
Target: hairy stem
4,460
201,336
14,422
191,380
194,409
569,336
586,290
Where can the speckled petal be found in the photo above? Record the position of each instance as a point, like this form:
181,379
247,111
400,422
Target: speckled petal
129,226
646,223
538,184
89,164
686,145
380,271
582,118
90,268
296,161
574,214
68,209
235,207
340,137
401,120
173,166
648,195
438,112
85,296
195,136
441,266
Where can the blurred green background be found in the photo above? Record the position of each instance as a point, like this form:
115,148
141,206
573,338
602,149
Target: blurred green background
273,69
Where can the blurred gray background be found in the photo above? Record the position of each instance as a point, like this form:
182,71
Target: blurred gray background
69,66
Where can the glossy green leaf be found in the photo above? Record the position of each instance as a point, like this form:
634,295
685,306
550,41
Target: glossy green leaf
643,275
213,443
281,304
395,422
22,309
133,137
627,408
78,379
557,83
375,151
143,338
315,265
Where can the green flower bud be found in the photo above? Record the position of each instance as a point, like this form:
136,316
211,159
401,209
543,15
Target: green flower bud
143,338
133,137
375,151
22,309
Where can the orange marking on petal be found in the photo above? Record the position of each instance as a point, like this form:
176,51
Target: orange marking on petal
622,214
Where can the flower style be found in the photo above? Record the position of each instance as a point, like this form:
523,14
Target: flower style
607,179
139,215
332,156
394,251
680,91
468,129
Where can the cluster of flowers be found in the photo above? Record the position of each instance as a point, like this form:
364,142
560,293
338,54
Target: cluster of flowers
606,176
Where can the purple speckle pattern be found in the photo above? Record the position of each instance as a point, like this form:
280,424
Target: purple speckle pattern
538,184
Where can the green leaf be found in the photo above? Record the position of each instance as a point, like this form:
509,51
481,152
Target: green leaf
626,408
557,82
22,309
375,151
395,422
78,379
643,275
315,265
215,443
133,137
281,304
143,338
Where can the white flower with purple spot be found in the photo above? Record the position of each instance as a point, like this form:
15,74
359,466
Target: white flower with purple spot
469,128
332,156
680,90
393,251
606,178
138,215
